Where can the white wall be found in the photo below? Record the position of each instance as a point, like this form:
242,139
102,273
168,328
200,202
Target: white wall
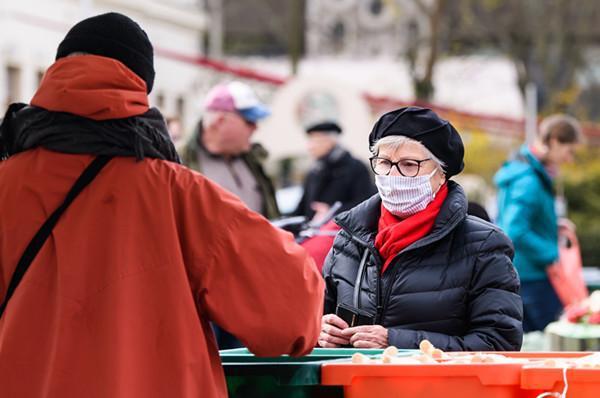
31,30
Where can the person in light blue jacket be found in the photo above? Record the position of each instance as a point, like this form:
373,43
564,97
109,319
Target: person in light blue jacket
526,212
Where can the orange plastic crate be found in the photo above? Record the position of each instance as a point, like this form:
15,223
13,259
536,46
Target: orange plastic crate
441,380
531,355
543,354
427,381
583,383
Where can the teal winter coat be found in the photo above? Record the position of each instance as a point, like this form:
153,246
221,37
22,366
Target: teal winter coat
527,214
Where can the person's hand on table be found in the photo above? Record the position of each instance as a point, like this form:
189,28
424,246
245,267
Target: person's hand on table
367,336
331,332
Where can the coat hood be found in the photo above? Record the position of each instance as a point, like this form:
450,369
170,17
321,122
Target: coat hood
523,162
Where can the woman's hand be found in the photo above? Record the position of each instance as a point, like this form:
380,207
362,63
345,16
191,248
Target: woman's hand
331,332
367,336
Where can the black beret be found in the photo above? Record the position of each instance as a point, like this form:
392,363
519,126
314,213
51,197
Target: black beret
326,126
116,36
423,125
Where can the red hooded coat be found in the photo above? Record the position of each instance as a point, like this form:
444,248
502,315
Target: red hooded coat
118,301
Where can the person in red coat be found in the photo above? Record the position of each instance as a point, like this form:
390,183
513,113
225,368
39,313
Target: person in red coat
117,302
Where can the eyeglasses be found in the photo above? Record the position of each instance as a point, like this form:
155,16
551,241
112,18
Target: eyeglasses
406,167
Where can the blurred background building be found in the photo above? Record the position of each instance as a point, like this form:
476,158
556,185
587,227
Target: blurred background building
30,32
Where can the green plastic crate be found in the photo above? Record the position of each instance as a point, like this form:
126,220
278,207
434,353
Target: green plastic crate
318,354
565,336
249,376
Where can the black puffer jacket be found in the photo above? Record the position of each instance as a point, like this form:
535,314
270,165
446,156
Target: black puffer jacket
456,287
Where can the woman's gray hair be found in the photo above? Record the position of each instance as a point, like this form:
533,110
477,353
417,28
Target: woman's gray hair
395,142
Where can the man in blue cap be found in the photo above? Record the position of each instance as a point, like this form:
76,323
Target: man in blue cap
221,148
222,151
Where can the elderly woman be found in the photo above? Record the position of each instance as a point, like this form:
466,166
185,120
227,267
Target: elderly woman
409,264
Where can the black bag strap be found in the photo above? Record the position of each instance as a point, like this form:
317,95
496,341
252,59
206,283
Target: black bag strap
359,278
90,172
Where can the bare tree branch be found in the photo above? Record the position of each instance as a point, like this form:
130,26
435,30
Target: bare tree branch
434,23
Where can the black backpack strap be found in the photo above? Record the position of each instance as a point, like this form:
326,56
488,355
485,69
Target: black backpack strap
90,172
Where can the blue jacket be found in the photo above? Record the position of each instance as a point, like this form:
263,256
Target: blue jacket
526,213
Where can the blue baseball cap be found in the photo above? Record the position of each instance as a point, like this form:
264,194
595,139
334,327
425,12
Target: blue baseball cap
237,97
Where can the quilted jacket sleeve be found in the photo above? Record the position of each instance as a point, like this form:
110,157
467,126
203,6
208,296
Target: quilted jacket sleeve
330,301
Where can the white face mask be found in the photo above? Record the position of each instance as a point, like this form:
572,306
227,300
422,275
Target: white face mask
405,196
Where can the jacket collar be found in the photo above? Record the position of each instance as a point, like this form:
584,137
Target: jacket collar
361,221
536,165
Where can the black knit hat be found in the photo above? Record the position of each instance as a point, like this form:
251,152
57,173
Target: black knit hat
423,125
330,127
116,36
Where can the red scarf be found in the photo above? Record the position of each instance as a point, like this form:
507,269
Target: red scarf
395,234
93,87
